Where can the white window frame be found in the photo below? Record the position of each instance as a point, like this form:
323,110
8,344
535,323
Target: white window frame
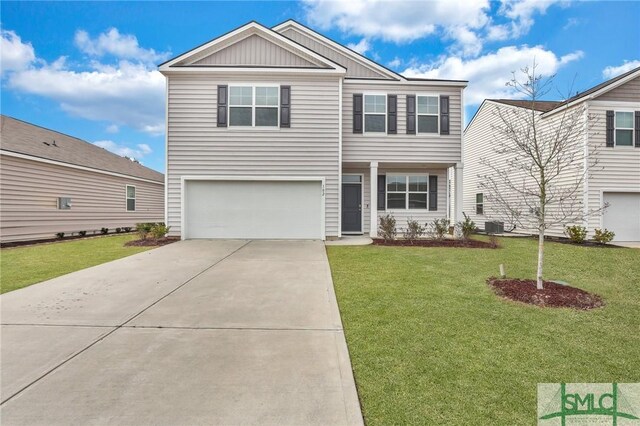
364,113
616,128
427,95
406,191
479,204
253,106
127,198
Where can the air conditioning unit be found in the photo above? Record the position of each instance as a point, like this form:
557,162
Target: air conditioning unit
494,227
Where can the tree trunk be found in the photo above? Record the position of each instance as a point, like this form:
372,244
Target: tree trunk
540,258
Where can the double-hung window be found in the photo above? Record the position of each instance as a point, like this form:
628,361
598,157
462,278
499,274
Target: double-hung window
624,128
131,198
480,203
251,106
428,113
375,113
407,192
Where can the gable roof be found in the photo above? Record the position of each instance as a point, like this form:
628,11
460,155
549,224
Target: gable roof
20,137
609,84
542,106
190,58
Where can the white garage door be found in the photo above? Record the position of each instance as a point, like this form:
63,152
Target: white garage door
253,209
623,215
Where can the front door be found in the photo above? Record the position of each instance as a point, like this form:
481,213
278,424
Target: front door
352,207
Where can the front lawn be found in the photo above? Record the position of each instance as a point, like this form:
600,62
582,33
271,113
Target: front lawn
23,266
431,344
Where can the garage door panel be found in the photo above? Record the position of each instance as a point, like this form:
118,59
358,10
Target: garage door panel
623,215
254,209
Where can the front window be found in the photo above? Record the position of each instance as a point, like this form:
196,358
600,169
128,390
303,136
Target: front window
480,203
624,128
253,106
131,198
428,114
407,192
375,113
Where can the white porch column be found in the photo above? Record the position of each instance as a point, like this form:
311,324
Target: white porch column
458,184
373,199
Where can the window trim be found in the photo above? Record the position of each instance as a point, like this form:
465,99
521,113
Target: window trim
479,204
364,113
126,198
427,95
253,106
615,128
406,192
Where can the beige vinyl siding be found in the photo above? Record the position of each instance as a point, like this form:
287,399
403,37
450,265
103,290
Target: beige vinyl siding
355,69
401,147
629,91
29,194
618,167
196,146
255,50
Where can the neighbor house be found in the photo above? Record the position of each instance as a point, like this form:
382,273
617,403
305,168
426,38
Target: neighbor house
51,182
610,133
283,133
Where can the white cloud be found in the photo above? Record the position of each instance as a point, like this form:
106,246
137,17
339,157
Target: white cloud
14,54
122,46
521,13
361,47
138,152
112,128
613,71
488,74
395,63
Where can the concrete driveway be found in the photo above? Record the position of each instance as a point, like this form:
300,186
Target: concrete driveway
197,332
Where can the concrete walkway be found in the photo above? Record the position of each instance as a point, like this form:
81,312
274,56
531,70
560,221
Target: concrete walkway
196,332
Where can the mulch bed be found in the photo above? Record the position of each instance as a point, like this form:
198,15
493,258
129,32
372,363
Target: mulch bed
152,242
434,243
59,240
553,295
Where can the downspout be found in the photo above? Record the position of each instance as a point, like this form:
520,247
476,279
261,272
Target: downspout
340,130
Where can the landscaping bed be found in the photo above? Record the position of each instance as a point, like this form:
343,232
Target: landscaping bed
435,243
152,242
553,295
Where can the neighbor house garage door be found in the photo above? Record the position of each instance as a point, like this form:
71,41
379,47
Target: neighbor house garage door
623,215
253,209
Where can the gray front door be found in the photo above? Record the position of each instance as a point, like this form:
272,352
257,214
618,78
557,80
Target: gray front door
351,207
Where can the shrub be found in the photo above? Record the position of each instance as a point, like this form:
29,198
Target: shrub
118,230
60,235
439,228
493,241
82,233
159,230
603,236
387,227
467,227
413,230
104,231
143,229
127,229
576,233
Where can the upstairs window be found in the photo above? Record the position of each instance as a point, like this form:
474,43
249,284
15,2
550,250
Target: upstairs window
375,113
624,128
131,198
253,106
428,114
480,203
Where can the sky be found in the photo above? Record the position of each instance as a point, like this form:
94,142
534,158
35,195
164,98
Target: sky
89,69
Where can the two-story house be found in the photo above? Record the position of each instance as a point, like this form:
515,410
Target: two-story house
283,133
608,157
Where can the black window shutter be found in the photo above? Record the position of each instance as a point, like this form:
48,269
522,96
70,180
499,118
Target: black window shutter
433,193
392,114
357,113
609,132
411,114
444,115
382,191
637,129
285,106
222,105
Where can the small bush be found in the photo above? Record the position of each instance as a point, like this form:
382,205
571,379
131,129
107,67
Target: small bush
438,229
118,230
413,230
159,230
143,229
493,241
576,233
82,233
127,229
603,236
467,227
387,227
60,235
104,231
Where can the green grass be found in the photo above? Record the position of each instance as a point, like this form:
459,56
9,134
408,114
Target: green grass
431,344
23,266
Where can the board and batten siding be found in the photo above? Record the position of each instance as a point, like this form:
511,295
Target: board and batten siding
29,192
401,147
196,146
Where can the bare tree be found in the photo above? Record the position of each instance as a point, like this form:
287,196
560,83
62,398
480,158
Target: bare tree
538,168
